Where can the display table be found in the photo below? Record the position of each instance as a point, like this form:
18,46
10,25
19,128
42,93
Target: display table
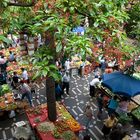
43,136
35,114
7,102
65,123
136,113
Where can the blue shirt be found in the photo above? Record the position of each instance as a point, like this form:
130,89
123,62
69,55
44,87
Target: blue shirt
113,104
11,57
58,90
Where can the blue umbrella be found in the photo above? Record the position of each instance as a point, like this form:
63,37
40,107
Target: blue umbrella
122,84
78,29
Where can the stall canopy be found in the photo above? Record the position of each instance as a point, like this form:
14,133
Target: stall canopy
121,84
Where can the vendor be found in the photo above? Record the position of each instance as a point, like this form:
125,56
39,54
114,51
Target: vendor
112,105
123,106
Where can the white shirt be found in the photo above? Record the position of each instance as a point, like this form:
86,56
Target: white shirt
111,64
67,65
66,78
25,75
94,82
25,88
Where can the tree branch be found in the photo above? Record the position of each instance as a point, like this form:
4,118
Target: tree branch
23,4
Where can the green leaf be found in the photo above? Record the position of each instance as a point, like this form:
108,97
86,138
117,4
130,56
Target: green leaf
52,67
56,76
59,47
36,75
99,38
44,72
4,39
96,24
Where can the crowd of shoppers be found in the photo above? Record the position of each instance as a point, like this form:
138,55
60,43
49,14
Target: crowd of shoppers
27,88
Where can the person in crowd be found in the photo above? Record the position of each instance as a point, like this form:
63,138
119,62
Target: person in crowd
58,63
33,85
11,57
93,84
15,80
24,75
2,78
123,106
58,91
26,92
103,65
117,133
81,69
86,137
112,105
100,102
67,65
2,59
109,123
66,81
97,72
87,116
3,63
111,63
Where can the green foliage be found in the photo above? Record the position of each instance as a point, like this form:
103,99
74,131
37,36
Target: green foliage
133,27
16,19
5,40
60,19
42,66
4,89
78,45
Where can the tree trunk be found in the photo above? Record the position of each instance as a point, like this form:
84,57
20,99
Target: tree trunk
30,45
50,83
51,103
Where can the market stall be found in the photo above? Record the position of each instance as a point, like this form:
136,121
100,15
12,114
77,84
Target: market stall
9,102
20,61
133,107
79,66
64,128
109,94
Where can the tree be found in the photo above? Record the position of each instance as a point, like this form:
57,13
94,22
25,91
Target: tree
56,19
61,16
